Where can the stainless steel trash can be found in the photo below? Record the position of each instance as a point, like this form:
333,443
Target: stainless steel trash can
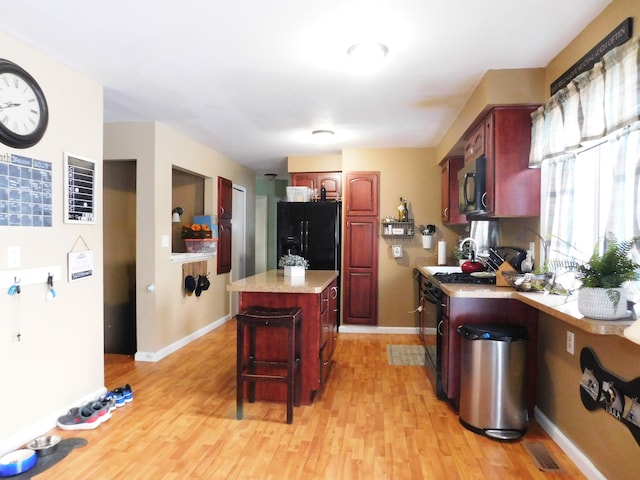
493,397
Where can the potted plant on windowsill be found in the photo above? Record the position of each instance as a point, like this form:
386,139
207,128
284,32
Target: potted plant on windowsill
601,295
294,265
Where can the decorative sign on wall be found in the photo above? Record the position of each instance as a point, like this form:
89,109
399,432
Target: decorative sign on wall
25,192
79,189
600,388
617,37
79,263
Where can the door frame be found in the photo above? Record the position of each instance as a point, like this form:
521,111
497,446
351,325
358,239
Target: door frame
238,242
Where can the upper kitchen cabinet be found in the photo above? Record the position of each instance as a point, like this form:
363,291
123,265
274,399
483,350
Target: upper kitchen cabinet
361,194
225,198
225,210
504,137
449,190
474,144
332,182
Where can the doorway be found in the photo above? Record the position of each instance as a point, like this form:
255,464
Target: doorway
239,241
119,239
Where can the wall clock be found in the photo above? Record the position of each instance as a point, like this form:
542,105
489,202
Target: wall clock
23,109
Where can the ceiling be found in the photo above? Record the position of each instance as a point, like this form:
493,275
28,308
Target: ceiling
252,78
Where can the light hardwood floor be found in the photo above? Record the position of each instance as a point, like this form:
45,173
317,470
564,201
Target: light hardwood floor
371,421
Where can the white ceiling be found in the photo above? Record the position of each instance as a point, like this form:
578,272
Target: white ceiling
252,78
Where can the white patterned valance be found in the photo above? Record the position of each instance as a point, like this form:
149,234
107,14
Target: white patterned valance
593,105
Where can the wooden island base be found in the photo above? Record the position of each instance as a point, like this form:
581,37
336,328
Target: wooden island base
317,297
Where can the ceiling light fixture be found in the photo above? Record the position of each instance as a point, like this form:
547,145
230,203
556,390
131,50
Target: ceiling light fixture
367,54
323,133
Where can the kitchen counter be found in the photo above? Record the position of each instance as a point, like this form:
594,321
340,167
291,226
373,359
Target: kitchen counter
274,281
558,306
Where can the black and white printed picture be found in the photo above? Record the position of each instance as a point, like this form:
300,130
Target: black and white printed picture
590,383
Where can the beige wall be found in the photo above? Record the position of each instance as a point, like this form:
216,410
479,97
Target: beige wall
602,438
166,315
314,163
58,359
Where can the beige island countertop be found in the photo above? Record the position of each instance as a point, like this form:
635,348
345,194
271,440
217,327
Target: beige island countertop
561,307
274,281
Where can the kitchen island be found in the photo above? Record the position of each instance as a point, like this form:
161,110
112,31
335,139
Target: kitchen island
316,294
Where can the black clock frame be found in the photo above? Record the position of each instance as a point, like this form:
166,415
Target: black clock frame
10,138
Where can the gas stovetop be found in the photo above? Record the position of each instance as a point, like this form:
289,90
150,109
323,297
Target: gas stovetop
464,278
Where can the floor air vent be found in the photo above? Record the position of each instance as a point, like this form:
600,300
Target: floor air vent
541,456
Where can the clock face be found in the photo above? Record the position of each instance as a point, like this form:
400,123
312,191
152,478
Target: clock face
23,109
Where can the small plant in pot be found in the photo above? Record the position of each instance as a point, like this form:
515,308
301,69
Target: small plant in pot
294,265
601,295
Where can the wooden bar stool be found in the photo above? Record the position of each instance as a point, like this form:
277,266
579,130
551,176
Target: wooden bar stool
251,370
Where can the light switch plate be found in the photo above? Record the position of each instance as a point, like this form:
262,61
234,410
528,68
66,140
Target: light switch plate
397,251
13,257
570,342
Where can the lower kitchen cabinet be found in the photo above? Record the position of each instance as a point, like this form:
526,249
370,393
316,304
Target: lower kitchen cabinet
329,326
484,311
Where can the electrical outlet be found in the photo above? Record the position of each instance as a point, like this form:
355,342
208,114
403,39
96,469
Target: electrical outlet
570,342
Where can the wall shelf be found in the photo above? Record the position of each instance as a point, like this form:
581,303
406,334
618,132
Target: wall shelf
397,229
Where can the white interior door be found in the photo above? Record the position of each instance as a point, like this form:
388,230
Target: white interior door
238,241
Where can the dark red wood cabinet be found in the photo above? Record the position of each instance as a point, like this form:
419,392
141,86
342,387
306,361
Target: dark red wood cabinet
360,272
449,190
503,135
225,213
319,320
332,182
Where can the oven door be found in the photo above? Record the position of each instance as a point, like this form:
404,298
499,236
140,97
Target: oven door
432,310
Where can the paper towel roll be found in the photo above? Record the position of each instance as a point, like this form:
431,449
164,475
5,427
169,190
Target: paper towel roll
442,252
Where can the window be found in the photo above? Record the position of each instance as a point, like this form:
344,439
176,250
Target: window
591,193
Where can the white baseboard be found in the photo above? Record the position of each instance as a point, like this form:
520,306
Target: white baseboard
175,346
568,447
43,425
384,330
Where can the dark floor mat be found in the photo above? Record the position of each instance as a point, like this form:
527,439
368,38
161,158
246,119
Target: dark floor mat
48,461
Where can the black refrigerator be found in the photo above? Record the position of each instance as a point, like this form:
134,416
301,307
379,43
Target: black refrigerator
311,230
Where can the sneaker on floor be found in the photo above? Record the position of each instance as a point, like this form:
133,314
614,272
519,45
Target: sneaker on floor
82,418
109,402
117,397
126,391
103,410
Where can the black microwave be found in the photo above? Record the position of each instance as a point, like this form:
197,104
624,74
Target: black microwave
472,190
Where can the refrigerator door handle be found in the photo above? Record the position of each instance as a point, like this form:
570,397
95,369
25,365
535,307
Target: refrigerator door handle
306,236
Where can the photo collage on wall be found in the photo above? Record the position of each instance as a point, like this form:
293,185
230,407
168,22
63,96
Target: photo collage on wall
599,388
25,192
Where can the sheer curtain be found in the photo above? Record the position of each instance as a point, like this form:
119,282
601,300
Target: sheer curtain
595,104
600,106
624,207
